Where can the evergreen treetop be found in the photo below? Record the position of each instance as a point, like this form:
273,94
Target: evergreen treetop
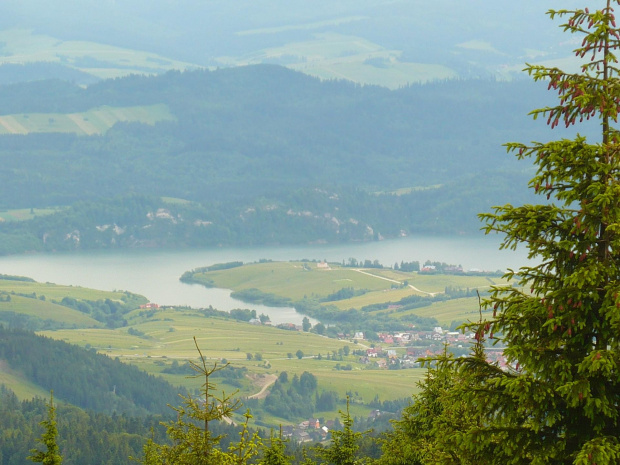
558,403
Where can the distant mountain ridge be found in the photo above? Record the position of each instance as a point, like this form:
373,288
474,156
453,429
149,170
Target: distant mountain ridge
372,42
241,141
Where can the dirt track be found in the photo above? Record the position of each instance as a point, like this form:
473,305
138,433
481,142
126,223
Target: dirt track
264,381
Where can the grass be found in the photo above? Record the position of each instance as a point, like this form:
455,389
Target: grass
23,214
293,280
104,61
55,291
339,56
94,121
39,301
370,298
296,280
22,388
169,336
459,310
438,282
47,311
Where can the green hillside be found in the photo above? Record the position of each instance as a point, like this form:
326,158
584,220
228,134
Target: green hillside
259,154
25,303
334,293
94,121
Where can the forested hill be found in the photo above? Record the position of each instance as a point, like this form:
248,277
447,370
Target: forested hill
261,137
84,378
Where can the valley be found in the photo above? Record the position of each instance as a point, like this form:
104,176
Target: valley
159,339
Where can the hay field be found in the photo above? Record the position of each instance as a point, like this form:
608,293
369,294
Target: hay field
47,311
297,280
169,333
100,60
56,291
94,121
459,310
23,214
294,279
339,56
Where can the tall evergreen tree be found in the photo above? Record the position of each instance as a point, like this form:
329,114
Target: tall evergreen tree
345,444
51,456
559,403
193,442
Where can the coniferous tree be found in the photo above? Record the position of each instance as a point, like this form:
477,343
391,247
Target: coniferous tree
51,456
430,428
193,442
344,446
560,320
275,453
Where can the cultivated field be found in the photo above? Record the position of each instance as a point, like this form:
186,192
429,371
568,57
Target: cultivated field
339,56
94,121
168,336
296,280
103,61
23,214
156,338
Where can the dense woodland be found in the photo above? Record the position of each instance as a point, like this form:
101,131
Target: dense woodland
108,410
263,155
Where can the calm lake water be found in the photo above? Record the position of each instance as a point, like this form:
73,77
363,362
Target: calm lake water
155,273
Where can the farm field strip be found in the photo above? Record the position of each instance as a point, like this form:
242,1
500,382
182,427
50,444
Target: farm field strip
94,121
22,214
465,309
55,291
47,311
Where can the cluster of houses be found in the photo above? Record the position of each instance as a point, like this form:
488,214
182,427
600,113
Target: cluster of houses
432,344
308,430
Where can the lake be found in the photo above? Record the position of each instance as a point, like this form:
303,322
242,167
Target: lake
155,273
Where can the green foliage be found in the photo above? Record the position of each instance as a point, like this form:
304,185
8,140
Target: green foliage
273,187
82,377
344,445
51,456
557,401
275,453
431,428
193,442
84,437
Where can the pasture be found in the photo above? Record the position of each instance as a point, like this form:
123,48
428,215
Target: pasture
22,388
103,61
296,280
94,121
168,336
338,56
154,339
24,214
47,311
56,291
456,310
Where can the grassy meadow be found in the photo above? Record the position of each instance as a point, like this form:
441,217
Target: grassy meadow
94,121
23,214
339,56
296,280
447,312
103,61
168,336
155,339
